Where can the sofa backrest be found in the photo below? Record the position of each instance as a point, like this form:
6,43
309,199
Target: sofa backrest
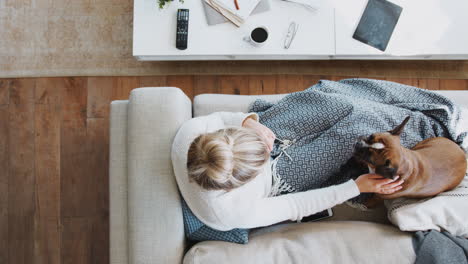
205,104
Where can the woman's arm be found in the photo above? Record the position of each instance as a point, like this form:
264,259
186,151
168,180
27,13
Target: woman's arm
245,213
260,212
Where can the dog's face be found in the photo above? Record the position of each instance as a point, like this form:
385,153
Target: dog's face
381,151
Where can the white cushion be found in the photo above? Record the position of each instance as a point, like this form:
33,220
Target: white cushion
447,211
322,242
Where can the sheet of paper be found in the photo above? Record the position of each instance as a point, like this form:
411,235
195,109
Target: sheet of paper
213,17
245,6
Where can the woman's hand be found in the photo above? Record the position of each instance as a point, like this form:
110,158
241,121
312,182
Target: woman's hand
377,184
264,132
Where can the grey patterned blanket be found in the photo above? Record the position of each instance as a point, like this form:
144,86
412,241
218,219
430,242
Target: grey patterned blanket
321,124
434,247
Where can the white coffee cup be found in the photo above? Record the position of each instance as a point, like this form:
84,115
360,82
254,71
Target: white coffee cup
258,36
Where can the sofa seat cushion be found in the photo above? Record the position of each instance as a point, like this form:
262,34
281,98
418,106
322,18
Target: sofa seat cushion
319,242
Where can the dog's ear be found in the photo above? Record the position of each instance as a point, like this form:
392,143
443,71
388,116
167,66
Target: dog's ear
397,130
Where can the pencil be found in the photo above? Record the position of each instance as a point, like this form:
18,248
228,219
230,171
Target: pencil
237,4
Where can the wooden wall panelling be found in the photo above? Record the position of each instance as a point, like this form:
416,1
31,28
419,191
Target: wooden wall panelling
123,87
5,91
153,81
47,118
184,82
75,197
262,84
205,84
310,80
430,84
453,84
76,245
339,78
77,192
21,181
84,170
99,96
98,160
4,171
234,84
289,83
49,91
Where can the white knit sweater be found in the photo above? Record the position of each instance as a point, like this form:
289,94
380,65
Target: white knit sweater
249,205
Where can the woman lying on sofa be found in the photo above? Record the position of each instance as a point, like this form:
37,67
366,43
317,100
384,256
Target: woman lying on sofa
223,169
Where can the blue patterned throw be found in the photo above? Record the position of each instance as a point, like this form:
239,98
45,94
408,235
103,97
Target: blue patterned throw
321,125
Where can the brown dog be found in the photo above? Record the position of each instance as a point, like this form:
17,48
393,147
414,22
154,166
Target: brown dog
432,166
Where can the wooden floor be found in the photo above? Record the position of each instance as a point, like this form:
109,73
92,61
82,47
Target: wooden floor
54,205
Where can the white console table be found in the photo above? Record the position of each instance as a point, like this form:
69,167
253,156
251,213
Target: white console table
427,29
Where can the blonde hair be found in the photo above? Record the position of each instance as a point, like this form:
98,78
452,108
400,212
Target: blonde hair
226,159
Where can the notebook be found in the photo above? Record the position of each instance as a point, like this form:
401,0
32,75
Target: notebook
213,17
377,23
228,9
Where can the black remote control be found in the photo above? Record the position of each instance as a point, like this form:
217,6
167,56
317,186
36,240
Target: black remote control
182,28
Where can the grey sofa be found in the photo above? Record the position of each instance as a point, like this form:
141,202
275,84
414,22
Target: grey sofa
145,212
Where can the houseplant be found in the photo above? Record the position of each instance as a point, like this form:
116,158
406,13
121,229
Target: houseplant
163,3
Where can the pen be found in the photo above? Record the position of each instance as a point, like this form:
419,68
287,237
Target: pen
237,4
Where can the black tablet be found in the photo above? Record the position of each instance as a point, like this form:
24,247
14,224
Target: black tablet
377,23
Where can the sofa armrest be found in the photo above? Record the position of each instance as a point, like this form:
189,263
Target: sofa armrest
155,223
118,183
